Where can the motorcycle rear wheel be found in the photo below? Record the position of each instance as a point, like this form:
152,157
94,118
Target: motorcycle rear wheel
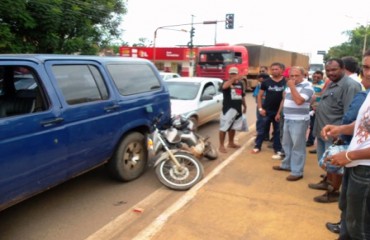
191,172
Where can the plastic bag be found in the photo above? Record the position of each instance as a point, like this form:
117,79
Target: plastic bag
241,124
332,150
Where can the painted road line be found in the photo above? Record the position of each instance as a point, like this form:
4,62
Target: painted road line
114,228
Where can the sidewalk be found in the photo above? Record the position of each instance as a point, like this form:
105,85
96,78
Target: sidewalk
249,200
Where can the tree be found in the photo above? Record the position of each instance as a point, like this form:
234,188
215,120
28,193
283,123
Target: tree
58,26
143,42
354,45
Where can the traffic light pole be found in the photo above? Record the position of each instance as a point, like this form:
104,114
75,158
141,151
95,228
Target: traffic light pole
177,25
190,45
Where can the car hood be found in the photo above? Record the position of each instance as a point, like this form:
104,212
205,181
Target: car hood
182,106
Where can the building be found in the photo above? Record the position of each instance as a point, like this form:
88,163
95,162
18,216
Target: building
169,59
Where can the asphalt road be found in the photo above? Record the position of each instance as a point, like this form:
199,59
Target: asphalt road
80,207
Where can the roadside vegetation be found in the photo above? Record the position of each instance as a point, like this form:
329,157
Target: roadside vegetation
91,26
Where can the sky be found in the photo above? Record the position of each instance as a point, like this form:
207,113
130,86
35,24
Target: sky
300,26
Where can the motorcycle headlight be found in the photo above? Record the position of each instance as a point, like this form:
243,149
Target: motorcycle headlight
150,144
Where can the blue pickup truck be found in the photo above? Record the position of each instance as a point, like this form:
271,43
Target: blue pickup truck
62,115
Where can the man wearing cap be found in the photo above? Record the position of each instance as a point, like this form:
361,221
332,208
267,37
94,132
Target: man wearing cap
233,108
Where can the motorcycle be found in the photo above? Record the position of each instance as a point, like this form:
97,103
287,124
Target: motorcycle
191,141
175,168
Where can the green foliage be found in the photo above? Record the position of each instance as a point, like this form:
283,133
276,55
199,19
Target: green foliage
58,26
353,47
143,42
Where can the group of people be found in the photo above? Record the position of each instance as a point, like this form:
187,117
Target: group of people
331,109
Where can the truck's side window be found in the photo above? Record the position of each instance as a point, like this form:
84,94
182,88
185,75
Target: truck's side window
238,57
132,79
20,91
80,83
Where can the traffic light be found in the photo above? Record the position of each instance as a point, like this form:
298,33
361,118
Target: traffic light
192,32
190,44
229,21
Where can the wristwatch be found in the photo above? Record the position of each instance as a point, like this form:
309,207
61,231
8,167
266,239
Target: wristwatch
260,109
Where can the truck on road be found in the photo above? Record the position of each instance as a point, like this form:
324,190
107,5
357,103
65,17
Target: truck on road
215,61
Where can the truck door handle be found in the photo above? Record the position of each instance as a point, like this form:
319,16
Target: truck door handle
111,108
52,122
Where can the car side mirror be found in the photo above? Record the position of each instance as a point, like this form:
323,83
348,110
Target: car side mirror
206,98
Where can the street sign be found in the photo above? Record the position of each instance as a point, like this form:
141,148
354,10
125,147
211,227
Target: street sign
321,52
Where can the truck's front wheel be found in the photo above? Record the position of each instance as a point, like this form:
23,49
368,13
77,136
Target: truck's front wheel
130,158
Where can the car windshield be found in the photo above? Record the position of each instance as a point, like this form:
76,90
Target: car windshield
183,90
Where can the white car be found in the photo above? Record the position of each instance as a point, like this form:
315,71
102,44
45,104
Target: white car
168,75
197,98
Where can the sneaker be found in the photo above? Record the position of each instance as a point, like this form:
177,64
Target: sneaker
322,185
293,178
255,150
309,144
278,155
279,168
333,227
313,151
328,197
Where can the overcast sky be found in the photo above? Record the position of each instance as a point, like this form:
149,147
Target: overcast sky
301,26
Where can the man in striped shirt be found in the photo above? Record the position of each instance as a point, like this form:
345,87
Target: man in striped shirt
296,109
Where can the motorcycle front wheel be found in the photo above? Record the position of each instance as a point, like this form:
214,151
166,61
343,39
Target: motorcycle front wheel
180,178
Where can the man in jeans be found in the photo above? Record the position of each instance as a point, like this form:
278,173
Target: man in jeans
355,195
272,88
296,104
349,117
334,102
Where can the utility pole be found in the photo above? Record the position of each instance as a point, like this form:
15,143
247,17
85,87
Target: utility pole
190,45
365,37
